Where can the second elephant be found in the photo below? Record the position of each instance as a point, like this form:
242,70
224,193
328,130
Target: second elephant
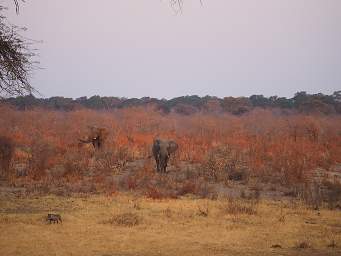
96,137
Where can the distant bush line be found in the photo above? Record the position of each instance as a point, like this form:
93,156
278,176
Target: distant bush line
302,102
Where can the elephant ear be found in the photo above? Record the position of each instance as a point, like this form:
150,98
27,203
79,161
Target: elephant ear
172,147
103,132
93,132
156,146
156,141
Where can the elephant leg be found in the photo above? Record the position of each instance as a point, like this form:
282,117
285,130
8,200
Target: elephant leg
165,166
157,160
162,167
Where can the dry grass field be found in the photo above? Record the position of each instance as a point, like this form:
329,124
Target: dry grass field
236,186
124,224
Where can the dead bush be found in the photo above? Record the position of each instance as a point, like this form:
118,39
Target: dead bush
291,162
124,219
253,194
203,210
332,244
128,182
188,187
160,193
168,212
38,188
316,194
111,161
76,163
42,157
233,206
303,245
136,204
205,190
154,193
197,187
226,163
57,171
333,194
239,175
312,194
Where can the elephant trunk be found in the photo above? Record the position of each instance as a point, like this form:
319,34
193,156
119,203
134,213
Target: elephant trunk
163,161
85,141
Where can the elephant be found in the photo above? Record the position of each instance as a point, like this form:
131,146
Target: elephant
162,149
96,136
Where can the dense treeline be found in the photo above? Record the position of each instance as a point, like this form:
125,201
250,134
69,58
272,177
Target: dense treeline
302,102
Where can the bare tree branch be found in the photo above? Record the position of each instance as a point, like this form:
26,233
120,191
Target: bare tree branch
17,5
16,55
177,5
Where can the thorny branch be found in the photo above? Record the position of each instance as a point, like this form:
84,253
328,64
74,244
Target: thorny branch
16,55
177,4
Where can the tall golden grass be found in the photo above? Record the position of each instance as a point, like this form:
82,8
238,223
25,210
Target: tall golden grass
99,225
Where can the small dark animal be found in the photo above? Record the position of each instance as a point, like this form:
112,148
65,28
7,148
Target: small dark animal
53,218
162,149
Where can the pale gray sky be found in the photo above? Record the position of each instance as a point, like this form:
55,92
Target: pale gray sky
136,48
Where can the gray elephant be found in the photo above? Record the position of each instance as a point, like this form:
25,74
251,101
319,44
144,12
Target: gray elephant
162,149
